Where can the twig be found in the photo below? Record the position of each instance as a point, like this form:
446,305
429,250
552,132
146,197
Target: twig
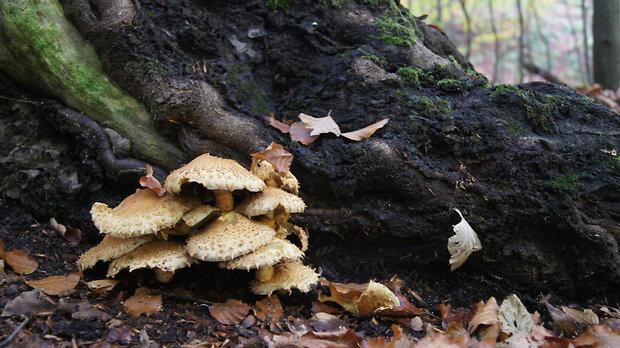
14,333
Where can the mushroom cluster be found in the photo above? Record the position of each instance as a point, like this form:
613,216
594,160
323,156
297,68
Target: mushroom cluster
196,219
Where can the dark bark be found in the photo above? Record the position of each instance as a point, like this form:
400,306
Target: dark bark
606,48
524,163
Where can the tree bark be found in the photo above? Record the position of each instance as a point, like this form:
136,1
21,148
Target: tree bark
530,165
606,48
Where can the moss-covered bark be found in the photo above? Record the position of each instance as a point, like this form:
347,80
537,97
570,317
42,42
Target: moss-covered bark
40,48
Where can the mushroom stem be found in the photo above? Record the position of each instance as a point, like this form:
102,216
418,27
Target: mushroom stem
224,200
264,273
163,276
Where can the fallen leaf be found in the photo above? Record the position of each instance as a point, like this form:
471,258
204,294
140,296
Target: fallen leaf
1,249
366,132
269,309
586,317
20,262
463,243
230,312
514,316
88,313
405,308
598,336
302,134
28,303
319,307
281,126
484,314
320,125
102,286
142,302
56,285
561,321
360,299
340,339
460,315
2,266
149,181
437,341
70,234
323,322
275,154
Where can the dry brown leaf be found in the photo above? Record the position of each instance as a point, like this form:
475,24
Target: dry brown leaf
149,181
142,302
405,308
366,132
2,266
438,341
20,262
29,302
319,307
561,321
360,299
230,312
514,316
269,309
586,317
281,126
1,249
484,314
70,234
302,134
320,125
275,154
56,285
463,243
339,339
460,315
598,336
102,286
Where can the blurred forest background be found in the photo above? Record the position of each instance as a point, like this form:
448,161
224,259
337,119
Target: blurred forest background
508,40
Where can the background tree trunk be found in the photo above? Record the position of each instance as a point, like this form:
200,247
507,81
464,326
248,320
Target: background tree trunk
606,35
531,165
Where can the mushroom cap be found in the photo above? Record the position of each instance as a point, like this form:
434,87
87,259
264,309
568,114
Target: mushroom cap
287,276
268,200
111,248
230,236
214,173
267,255
266,172
163,254
143,212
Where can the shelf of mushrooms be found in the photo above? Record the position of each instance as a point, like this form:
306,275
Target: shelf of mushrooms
196,220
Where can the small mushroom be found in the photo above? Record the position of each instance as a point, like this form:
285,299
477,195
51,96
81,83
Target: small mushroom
266,172
287,276
218,174
191,221
164,256
143,212
266,256
266,202
111,248
230,236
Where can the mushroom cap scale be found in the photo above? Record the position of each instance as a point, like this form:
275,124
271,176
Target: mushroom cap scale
229,236
165,255
267,255
266,172
287,276
141,213
268,200
111,248
214,173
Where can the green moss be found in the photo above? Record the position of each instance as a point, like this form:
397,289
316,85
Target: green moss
452,85
430,107
278,4
372,57
614,163
396,31
346,55
568,182
411,76
506,88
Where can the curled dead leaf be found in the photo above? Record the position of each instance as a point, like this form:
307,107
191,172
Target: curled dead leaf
230,312
514,316
360,299
149,181
366,132
463,243
142,302
20,262
70,234
300,133
275,154
56,285
269,309
484,314
320,125
29,302
102,286
281,126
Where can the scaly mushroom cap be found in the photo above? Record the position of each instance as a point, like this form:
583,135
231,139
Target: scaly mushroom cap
230,236
268,200
267,255
165,255
214,173
111,248
287,276
265,171
143,212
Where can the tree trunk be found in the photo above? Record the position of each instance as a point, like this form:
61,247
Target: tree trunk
531,166
606,48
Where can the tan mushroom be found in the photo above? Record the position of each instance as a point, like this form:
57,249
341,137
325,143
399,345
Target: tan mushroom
192,220
111,248
266,172
287,276
164,256
230,236
267,255
217,174
266,202
143,212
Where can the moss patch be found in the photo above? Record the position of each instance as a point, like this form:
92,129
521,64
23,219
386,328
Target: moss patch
396,31
568,182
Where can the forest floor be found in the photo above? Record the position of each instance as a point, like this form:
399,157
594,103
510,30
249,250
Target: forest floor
82,317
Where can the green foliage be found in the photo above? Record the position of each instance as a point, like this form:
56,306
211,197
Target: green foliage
568,182
396,31
278,4
428,107
452,85
372,57
411,76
